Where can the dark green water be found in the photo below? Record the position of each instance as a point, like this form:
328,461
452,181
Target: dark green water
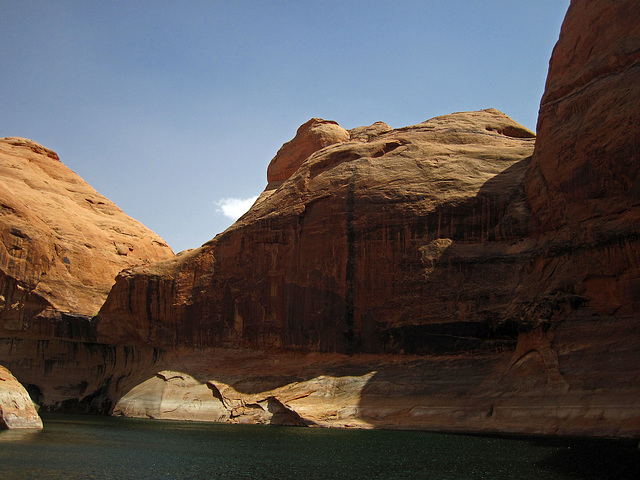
83,447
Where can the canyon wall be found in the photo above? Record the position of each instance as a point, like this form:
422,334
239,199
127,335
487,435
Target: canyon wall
460,274
61,246
584,182
61,242
386,245
496,292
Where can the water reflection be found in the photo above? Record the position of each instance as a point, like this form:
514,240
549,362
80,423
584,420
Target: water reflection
75,447
19,435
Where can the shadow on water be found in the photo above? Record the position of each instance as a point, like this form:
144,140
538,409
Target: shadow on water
586,458
74,447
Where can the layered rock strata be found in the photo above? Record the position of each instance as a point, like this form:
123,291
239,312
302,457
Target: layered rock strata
549,384
16,408
61,246
347,253
446,275
501,292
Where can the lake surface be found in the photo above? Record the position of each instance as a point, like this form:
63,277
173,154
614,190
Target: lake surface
88,447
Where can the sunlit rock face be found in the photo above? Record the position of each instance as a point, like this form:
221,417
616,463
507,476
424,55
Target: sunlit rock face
61,242
390,242
16,408
61,246
314,135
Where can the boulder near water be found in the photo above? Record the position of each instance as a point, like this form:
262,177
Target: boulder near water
16,408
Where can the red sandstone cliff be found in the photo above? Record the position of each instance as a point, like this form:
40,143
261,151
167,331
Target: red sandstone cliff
518,291
475,288
61,246
400,242
61,242
584,182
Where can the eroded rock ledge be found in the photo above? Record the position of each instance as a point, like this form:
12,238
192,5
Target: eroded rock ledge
542,387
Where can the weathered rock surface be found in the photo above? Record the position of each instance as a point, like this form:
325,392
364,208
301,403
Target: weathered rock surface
584,182
310,137
547,385
435,276
586,163
345,256
16,408
495,293
61,243
61,246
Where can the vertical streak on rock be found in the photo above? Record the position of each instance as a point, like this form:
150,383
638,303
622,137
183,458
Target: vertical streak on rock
351,264
152,290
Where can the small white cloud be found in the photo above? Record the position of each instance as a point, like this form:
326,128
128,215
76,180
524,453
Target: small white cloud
234,208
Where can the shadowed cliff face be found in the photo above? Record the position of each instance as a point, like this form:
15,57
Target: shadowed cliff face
584,182
350,253
587,157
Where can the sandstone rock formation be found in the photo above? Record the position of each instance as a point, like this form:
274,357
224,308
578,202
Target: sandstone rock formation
344,256
61,242
584,182
16,408
494,293
446,275
310,137
61,246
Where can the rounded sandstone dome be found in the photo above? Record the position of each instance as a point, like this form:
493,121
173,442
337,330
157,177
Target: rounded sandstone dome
312,136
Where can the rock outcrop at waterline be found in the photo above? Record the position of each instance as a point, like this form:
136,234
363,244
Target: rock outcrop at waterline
16,408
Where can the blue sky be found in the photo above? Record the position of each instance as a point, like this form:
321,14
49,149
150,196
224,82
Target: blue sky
170,107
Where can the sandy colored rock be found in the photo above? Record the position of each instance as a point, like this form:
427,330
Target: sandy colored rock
367,133
61,242
520,391
312,136
172,395
333,259
16,408
432,276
